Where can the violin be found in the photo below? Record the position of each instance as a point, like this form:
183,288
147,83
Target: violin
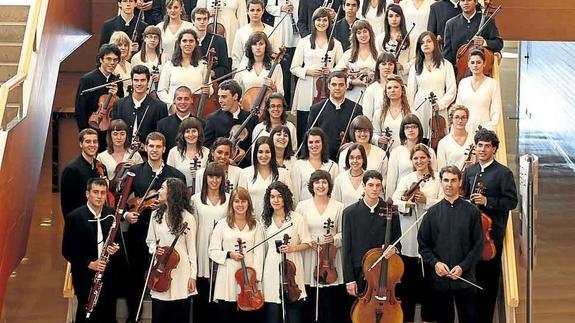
489,251
160,277
153,90
366,75
289,291
205,104
100,119
409,194
139,204
255,97
321,83
250,298
103,173
386,133
469,152
215,27
378,303
194,166
325,272
462,56
122,167
438,124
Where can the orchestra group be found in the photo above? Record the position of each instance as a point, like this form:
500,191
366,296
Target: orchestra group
380,194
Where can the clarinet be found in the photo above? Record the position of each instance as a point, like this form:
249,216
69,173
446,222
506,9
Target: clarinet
294,27
105,256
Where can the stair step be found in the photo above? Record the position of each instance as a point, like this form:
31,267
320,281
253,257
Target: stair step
10,51
7,70
14,13
10,113
12,31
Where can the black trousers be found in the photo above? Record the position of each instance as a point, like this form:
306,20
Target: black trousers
415,289
301,125
333,307
465,301
134,272
176,311
488,274
294,312
228,312
287,76
105,310
204,311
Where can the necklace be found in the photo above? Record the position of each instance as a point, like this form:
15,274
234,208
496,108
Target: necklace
350,173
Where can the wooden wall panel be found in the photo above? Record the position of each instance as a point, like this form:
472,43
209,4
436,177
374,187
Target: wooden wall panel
24,150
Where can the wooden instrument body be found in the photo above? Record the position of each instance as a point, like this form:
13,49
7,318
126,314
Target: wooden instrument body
249,99
463,61
321,88
160,278
250,298
290,287
100,119
489,251
139,204
325,272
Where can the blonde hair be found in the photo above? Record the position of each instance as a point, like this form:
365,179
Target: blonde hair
120,37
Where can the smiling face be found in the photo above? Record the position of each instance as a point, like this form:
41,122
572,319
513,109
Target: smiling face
485,151
314,145
140,83
183,102
355,160
188,44
320,188
222,155
109,62
281,140
214,182
420,161
276,200
363,36
89,145
191,136
264,154
240,206
155,149
321,23
362,136
276,108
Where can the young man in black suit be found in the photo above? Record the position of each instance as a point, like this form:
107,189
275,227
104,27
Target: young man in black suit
126,22
499,197
343,26
169,125
85,230
206,41
305,12
439,13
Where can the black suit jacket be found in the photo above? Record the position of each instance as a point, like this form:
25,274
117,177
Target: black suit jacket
73,184
87,104
124,109
117,23
219,124
305,12
341,32
221,65
501,195
439,14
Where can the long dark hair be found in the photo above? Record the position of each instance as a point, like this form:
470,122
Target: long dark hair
254,38
420,56
410,119
384,57
288,152
287,196
367,4
315,131
320,13
178,201
402,28
213,169
189,123
267,117
273,163
357,25
177,57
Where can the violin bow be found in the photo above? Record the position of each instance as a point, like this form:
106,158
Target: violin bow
268,238
400,47
147,277
349,123
481,28
277,25
92,89
317,284
313,124
140,14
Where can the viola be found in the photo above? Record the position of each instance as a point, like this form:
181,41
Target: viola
289,291
469,152
378,303
103,173
438,124
250,298
139,204
489,251
215,27
205,103
160,277
325,272
100,119
409,194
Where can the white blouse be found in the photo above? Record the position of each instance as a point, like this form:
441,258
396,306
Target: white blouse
183,164
241,37
225,239
111,164
432,191
258,188
169,39
484,104
125,73
394,125
306,58
450,152
440,81
185,246
249,79
406,56
300,173
298,233
372,100
400,165
260,131
375,158
343,190
173,77
377,22
232,15
315,222
207,216
416,16
289,38
136,60
360,63
234,175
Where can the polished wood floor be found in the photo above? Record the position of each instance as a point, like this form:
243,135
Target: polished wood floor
35,289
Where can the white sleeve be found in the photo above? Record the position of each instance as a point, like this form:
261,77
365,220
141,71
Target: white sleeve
411,87
495,108
164,84
396,197
298,60
450,87
191,245
215,249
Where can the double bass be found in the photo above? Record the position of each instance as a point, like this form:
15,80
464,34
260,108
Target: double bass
250,298
160,277
325,272
378,303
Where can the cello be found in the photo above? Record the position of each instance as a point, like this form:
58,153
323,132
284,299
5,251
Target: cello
250,298
160,277
438,124
489,251
378,303
325,272
205,103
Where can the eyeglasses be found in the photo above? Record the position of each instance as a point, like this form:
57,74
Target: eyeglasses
410,126
153,37
111,60
459,118
362,130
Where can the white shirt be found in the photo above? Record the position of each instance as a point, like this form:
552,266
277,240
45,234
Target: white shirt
250,79
289,38
343,190
233,176
106,158
484,104
173,77
242,36
169,39
261,131
450,152
300,173
360,63
394,125
376,159
257,188
183,163
99,234
400,165
372,100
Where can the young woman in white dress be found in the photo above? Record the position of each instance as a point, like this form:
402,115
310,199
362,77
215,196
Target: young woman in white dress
275,115
221,153
373,96
359,60
414,289
314,155
317,211
393,109
361,132
430,73
232,14
348,187
480,94
282,138
308,64
124,67
173,218
374,12
400,163
393,35
189,154
258,51
454,148
185,68
262,173
239,223
416,12
151,53
175,21
278,214
118,148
